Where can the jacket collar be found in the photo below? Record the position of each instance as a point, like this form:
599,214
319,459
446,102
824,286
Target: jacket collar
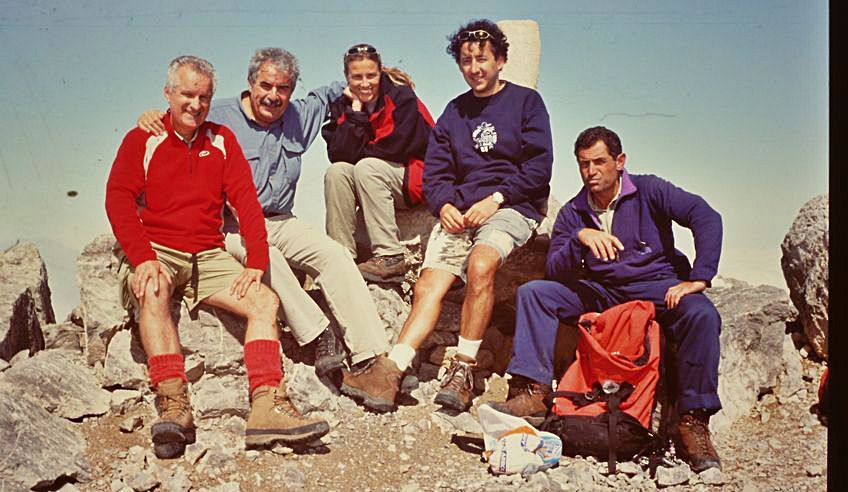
580,202
169,128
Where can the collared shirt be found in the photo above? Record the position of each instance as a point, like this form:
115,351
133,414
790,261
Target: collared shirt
189,141
605,214
274,152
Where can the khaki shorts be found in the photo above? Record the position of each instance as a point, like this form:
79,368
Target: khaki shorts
216,271
505,230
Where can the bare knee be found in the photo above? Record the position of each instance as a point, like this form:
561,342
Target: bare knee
262,304
157,303
426,290
481,273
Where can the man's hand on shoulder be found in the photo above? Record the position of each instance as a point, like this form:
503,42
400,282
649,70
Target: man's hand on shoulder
675,293
480,212
149,271
151,121
603,245
451,219
250,276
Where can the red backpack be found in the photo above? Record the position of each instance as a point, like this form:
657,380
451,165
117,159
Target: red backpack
603,403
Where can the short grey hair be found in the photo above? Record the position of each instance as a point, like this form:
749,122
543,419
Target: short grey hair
199,65
280,58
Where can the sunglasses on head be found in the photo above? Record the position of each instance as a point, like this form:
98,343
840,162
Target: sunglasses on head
361,48
478,35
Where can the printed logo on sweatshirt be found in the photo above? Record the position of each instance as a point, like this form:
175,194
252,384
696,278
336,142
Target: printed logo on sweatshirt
203,153
485,137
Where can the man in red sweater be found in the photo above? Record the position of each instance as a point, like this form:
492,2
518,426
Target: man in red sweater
164,200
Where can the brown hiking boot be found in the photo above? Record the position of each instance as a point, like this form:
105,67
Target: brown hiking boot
376,386
526,399
384,268
175,424
273,419
692,441
457,384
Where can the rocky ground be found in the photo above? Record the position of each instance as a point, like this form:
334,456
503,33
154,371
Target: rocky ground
780,445
75,408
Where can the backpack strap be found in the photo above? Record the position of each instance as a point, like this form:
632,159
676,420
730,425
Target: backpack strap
613,402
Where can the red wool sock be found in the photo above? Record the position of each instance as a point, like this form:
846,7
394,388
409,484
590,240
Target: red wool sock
263,363
166,366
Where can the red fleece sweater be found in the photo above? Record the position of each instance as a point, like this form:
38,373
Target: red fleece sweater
161,190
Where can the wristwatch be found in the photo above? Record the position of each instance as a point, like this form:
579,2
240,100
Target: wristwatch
498,197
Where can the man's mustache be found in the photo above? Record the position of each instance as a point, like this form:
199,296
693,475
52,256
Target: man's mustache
274,103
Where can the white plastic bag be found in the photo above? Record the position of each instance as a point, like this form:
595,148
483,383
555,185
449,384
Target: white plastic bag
514,446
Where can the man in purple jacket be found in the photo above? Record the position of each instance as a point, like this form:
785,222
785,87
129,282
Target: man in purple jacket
595,262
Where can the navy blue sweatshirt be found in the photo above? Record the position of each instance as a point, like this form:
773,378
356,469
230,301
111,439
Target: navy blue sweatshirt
642,222
496,143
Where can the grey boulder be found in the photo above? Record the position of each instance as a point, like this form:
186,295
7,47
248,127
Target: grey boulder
805,268
62,386
24,300
37,448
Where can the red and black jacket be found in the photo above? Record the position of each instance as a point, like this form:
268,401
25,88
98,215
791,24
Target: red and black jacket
397,130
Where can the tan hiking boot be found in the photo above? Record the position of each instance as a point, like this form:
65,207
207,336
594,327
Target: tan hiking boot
384,268
376,386
692,441
526,399
175,423
457,384
273,419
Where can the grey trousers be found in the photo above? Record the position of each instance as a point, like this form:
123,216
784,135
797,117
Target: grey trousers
294,244
376,186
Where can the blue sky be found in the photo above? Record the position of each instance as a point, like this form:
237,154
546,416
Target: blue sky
725,99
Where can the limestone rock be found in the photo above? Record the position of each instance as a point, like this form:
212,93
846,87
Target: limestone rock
130,424
125,363
25,305
66,336
216,336
100,304
142,481
307,392
713,476
792,380
217,396
177,480
667,477
752,337
461,423
122,399
62,387
525,52
391,308
805,268
37,448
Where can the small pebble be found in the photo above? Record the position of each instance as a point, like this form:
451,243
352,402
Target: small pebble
130,424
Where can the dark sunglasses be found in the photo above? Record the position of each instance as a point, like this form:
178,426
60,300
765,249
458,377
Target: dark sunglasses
361,48
479,35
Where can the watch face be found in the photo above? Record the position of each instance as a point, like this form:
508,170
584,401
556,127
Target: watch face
497,197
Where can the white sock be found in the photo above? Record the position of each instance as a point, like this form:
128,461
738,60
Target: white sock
468,348
402,354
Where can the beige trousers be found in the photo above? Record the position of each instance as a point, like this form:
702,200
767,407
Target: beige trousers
374,185
294,244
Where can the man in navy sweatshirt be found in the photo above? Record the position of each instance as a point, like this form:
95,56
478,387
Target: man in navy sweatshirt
595,262
486,177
